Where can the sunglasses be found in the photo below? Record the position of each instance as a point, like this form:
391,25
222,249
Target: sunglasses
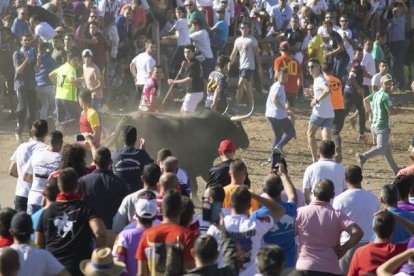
244,28
328,17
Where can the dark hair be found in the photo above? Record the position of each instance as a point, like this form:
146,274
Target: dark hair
169,181
380,34
222,60
217,193
385,62
404,184
195,22
163,154
240,199
56,138
188,211
130,135
182,9
51,190
353,175
359,49
314,60
85,96
103,158
327,67
206,249
190,47
73,155
384,223
327,148
6,215
39,128
149,42
9,261
146,221
270,260
172,204
324,190
273,185
72,54
68,180
151,174
389,194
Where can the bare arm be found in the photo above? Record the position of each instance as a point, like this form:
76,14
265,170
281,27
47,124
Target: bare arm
53,77
287,183
355,235
388,268
28,177
182,81
276,210
19,69
13,170
133,70
258,59
233,56
40,239
142,268
307,193
99,230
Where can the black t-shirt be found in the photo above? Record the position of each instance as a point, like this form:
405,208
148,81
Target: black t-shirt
67,233
195,72
358,73
26,79
334,40
294,36
129,163
219,175
104,191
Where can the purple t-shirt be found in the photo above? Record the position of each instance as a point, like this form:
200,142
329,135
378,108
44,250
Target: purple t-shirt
125,247
406,206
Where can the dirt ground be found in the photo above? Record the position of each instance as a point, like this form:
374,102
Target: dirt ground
376,171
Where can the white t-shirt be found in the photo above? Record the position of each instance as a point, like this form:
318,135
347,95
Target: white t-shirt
280,16
246,46
144,63
376,80
324,109
40,165
20,157
204,3
272,110
34,261
324,33
360,206
325,168
348,47
202,43
182,32
44,31
247,233
369,64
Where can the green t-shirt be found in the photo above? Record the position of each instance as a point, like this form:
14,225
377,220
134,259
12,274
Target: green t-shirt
65,89
377,52
196,14
380,103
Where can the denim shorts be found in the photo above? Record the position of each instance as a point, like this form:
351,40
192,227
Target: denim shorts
246,74
320,122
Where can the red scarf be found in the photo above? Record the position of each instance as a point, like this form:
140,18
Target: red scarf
68,196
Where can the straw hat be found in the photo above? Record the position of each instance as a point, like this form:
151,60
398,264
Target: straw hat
102,261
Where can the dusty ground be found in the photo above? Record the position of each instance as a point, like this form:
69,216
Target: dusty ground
376,171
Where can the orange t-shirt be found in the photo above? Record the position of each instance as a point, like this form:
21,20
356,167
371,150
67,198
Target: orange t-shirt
294,70
337,97
228,190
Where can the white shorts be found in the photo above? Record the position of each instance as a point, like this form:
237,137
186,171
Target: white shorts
191,100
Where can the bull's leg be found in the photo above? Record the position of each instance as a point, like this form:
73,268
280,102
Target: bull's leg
194,191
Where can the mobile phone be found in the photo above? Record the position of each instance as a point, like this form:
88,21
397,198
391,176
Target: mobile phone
276,157
211,212
79,138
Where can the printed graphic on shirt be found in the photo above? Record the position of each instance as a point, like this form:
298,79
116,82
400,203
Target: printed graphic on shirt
286,223
244,247
64,225
164,256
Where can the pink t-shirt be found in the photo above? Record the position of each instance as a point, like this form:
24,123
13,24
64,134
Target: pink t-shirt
150,88
319,228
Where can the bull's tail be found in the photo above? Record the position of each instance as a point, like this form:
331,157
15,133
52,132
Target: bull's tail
116,133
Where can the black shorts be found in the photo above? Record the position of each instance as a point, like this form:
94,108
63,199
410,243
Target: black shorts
246,74
291,98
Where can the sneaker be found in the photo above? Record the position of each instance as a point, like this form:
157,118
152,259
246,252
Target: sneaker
19,138
360,159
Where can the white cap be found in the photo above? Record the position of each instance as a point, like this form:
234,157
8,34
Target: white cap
145,208
87,52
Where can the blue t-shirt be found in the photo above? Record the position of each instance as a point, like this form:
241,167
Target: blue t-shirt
283,232
400,233
35,220
47,65
20,28
221,35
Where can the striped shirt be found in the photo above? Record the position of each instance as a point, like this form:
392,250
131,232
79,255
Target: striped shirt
381,102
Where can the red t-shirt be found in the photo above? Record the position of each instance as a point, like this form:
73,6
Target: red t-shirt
5,242
294,70
369,257
155,240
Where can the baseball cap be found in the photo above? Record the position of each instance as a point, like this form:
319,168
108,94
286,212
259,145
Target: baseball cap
385,78
226,146
22,224
284,46
145,208
87,52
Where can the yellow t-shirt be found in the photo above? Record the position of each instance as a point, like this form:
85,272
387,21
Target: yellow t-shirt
228,190
65,90
316,44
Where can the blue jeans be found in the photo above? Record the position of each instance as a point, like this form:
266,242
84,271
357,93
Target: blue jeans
383,147
284,131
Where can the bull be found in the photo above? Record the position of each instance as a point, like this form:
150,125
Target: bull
193,139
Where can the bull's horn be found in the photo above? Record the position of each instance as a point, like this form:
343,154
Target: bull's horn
242,117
